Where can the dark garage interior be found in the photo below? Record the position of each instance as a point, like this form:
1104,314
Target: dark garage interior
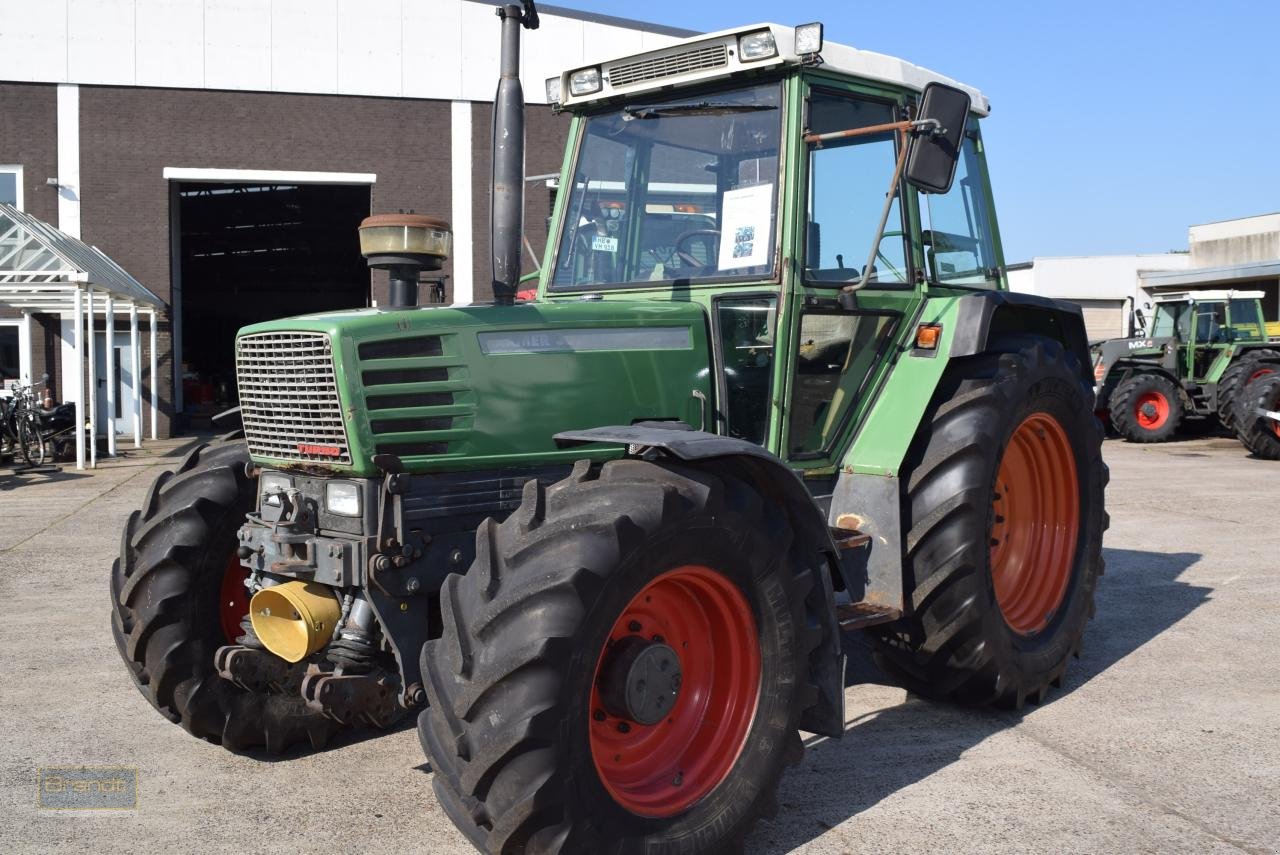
255,252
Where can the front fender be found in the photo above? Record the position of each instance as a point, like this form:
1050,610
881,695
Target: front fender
776,481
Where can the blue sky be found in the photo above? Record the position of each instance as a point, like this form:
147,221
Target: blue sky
1114,125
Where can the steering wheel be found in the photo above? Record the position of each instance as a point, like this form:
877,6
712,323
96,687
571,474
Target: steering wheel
689,235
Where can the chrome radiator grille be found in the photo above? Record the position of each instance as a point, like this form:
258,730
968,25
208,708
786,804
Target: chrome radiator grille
655,68
289,397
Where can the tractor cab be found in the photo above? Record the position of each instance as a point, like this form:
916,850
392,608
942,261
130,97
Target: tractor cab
1207,325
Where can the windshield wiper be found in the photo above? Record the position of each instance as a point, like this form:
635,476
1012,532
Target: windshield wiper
704,108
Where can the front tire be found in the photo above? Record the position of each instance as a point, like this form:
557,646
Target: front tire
1005,519
168,591
1249,367
530,753
1260,434
1146,408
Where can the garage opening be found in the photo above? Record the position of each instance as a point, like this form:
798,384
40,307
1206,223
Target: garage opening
255,252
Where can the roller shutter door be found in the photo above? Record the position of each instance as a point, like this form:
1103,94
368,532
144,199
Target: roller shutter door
1103,318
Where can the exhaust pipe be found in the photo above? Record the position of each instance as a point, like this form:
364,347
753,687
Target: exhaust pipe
506,209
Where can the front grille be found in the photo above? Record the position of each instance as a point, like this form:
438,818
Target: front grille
289,397
658,67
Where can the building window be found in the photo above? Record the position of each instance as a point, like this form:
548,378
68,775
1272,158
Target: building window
11,186
10,353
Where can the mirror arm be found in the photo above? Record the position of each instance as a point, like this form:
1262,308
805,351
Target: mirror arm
889,196
930,126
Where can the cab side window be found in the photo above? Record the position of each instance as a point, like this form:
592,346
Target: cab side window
847,182
957,234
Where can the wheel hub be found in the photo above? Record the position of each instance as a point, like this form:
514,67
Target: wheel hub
640,680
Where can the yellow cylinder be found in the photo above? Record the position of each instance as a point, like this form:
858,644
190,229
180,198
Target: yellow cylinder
295,619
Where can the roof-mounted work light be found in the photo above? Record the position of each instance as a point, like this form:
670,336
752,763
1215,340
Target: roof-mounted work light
809,38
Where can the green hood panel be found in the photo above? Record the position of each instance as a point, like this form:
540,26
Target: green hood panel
487,386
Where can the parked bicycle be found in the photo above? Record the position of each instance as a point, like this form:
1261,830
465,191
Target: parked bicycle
20,431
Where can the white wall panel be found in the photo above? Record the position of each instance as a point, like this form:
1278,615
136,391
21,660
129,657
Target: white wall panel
369,47
237,44
480,47
169,43
304,45
557,45
33,40
100,41
431,50
439,49
604,42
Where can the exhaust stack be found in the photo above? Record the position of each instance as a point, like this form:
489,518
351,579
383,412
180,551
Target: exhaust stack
506,211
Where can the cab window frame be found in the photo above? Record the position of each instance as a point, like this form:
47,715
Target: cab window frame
972,137
897,104
720,413
880,359
569,172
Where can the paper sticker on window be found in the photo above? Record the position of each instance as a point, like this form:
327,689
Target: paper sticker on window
745,229
604,243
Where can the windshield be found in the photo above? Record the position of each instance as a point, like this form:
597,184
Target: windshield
684,189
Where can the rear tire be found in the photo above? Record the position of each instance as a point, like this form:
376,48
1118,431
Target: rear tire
166,593
1009,433
1249,367
1260,434
527,760
1146,408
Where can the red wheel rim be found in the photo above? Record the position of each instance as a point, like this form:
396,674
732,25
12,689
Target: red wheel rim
1261,372
1035,523
233,602
664,769
1151,410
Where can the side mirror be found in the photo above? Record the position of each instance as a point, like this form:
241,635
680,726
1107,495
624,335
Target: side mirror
944,114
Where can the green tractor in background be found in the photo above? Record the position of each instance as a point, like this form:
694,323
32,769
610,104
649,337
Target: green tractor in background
1204,348
603,544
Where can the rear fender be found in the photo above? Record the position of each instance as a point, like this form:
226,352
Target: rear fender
777,482
987,314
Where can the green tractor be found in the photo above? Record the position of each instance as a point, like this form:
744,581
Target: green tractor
1204,347
604,544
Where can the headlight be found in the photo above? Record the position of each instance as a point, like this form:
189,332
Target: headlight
342,498
809,38
553,90
271,485
584,81
755,46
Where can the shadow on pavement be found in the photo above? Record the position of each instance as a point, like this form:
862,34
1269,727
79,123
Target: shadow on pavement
887,750
15,478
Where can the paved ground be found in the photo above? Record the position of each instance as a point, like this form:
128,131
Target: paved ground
1165,737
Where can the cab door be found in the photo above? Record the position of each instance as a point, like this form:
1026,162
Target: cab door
838,355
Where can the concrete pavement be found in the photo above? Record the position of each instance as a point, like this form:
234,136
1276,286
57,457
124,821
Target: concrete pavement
1164,738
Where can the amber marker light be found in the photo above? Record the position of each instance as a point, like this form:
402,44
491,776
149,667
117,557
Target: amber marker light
927,336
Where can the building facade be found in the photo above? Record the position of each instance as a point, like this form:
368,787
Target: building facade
1241,254
224,151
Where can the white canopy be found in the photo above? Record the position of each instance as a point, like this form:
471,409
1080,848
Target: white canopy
43,269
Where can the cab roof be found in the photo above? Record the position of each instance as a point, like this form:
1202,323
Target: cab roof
714,56
1207,296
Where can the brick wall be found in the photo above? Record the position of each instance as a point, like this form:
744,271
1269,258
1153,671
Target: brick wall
29,136
129,135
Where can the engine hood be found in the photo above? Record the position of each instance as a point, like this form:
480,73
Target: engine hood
467,387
